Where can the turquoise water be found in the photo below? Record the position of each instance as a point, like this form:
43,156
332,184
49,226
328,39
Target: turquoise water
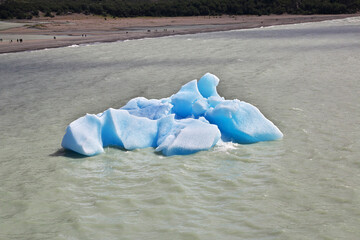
303,77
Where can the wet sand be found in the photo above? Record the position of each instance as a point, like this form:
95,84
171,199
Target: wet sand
41,33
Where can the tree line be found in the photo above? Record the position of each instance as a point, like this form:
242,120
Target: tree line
26,9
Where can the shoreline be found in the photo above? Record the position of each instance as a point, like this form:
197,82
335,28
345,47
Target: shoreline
77,29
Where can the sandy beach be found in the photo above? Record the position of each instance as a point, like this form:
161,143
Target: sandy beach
60,31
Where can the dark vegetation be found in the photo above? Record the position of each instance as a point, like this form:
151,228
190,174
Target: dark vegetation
23,9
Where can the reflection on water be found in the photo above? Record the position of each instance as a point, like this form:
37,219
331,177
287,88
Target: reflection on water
303,77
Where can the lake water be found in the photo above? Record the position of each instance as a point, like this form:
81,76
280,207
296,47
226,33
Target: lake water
304,78
6,25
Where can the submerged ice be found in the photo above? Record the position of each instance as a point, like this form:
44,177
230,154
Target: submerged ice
192,120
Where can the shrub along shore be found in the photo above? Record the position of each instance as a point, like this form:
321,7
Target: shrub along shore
24,9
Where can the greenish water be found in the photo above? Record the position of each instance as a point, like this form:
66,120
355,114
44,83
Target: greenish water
304,77
6,25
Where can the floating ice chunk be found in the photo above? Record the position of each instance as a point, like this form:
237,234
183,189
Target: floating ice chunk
84,136
242,122
174,125
207,85
152,109
186,136
89,134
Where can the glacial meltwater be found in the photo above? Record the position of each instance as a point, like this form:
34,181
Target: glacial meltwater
304,78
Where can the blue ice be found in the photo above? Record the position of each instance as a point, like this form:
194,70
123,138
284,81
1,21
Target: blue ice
192,120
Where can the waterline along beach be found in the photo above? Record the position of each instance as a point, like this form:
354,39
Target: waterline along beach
46,32
303,74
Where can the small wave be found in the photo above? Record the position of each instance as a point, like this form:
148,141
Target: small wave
353,19
222,146
74,45
297,109
38,50
344,20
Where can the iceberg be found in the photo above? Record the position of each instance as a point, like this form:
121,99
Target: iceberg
193,119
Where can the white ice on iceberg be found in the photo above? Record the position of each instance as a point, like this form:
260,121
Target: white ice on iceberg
192,120
186,136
